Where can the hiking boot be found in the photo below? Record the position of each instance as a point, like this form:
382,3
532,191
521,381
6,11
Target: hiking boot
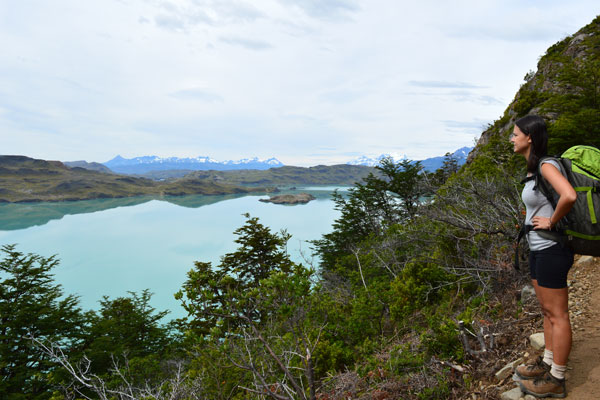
545,386
532,370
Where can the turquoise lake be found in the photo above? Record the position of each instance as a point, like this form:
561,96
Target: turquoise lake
112,246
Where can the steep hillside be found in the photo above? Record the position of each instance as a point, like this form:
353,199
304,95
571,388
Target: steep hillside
565,89
473,317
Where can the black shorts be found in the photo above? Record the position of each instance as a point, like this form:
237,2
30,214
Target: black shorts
550,266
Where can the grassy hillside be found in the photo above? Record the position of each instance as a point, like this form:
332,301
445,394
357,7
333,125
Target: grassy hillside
23,179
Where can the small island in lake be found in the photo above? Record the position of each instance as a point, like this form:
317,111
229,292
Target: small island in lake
300,198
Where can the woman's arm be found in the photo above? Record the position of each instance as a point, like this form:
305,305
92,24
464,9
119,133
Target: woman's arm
567,197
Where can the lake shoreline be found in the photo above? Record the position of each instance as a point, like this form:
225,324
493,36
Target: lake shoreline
112,246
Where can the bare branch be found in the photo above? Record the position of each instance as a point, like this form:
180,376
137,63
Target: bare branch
175,388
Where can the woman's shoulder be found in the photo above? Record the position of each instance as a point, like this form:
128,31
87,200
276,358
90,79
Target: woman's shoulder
552,161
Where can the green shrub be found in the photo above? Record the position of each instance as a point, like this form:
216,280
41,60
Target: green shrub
403,358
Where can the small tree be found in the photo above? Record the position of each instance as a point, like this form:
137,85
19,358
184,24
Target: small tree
128,328
32,305
211,293
371,207
440,176
250,312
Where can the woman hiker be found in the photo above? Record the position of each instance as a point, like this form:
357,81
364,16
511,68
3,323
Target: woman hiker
549,261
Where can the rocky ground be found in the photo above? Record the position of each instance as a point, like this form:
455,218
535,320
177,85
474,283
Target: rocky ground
583,377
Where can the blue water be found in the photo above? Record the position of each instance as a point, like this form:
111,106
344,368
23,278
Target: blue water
109,247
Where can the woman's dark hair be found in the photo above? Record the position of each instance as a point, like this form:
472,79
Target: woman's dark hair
534,126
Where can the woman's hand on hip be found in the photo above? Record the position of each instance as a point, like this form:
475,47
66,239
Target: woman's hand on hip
541,223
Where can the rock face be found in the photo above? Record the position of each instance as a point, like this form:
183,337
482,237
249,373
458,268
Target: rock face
561,74
300,198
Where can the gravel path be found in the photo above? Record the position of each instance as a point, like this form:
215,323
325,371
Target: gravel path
583,379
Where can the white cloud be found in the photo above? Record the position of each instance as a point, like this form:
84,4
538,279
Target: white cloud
305,81
186,14
325,9
442,84
247,43
465,127
197,94
170,22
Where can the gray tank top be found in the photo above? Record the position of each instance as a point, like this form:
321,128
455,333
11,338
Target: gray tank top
536,204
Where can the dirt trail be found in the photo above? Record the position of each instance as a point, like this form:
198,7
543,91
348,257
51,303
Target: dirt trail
583,378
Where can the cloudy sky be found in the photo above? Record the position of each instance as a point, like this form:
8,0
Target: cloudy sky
306,81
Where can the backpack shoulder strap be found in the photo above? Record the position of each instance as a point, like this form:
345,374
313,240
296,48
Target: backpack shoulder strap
527,179
542,184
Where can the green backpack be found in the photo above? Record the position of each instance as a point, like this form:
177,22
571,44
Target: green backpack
580,228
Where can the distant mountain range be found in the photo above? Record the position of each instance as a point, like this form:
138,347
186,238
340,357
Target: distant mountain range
141,165
94,166
429,164
24,179
176,167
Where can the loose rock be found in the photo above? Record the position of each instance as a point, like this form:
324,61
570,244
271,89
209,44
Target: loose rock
513,394
537,340
527,293
585,260
507,370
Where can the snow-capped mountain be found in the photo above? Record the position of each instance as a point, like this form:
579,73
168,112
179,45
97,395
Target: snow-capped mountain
429,164
374,161
433,163
140,165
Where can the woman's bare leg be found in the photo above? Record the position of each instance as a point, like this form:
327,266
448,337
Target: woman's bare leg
555,306
547,323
